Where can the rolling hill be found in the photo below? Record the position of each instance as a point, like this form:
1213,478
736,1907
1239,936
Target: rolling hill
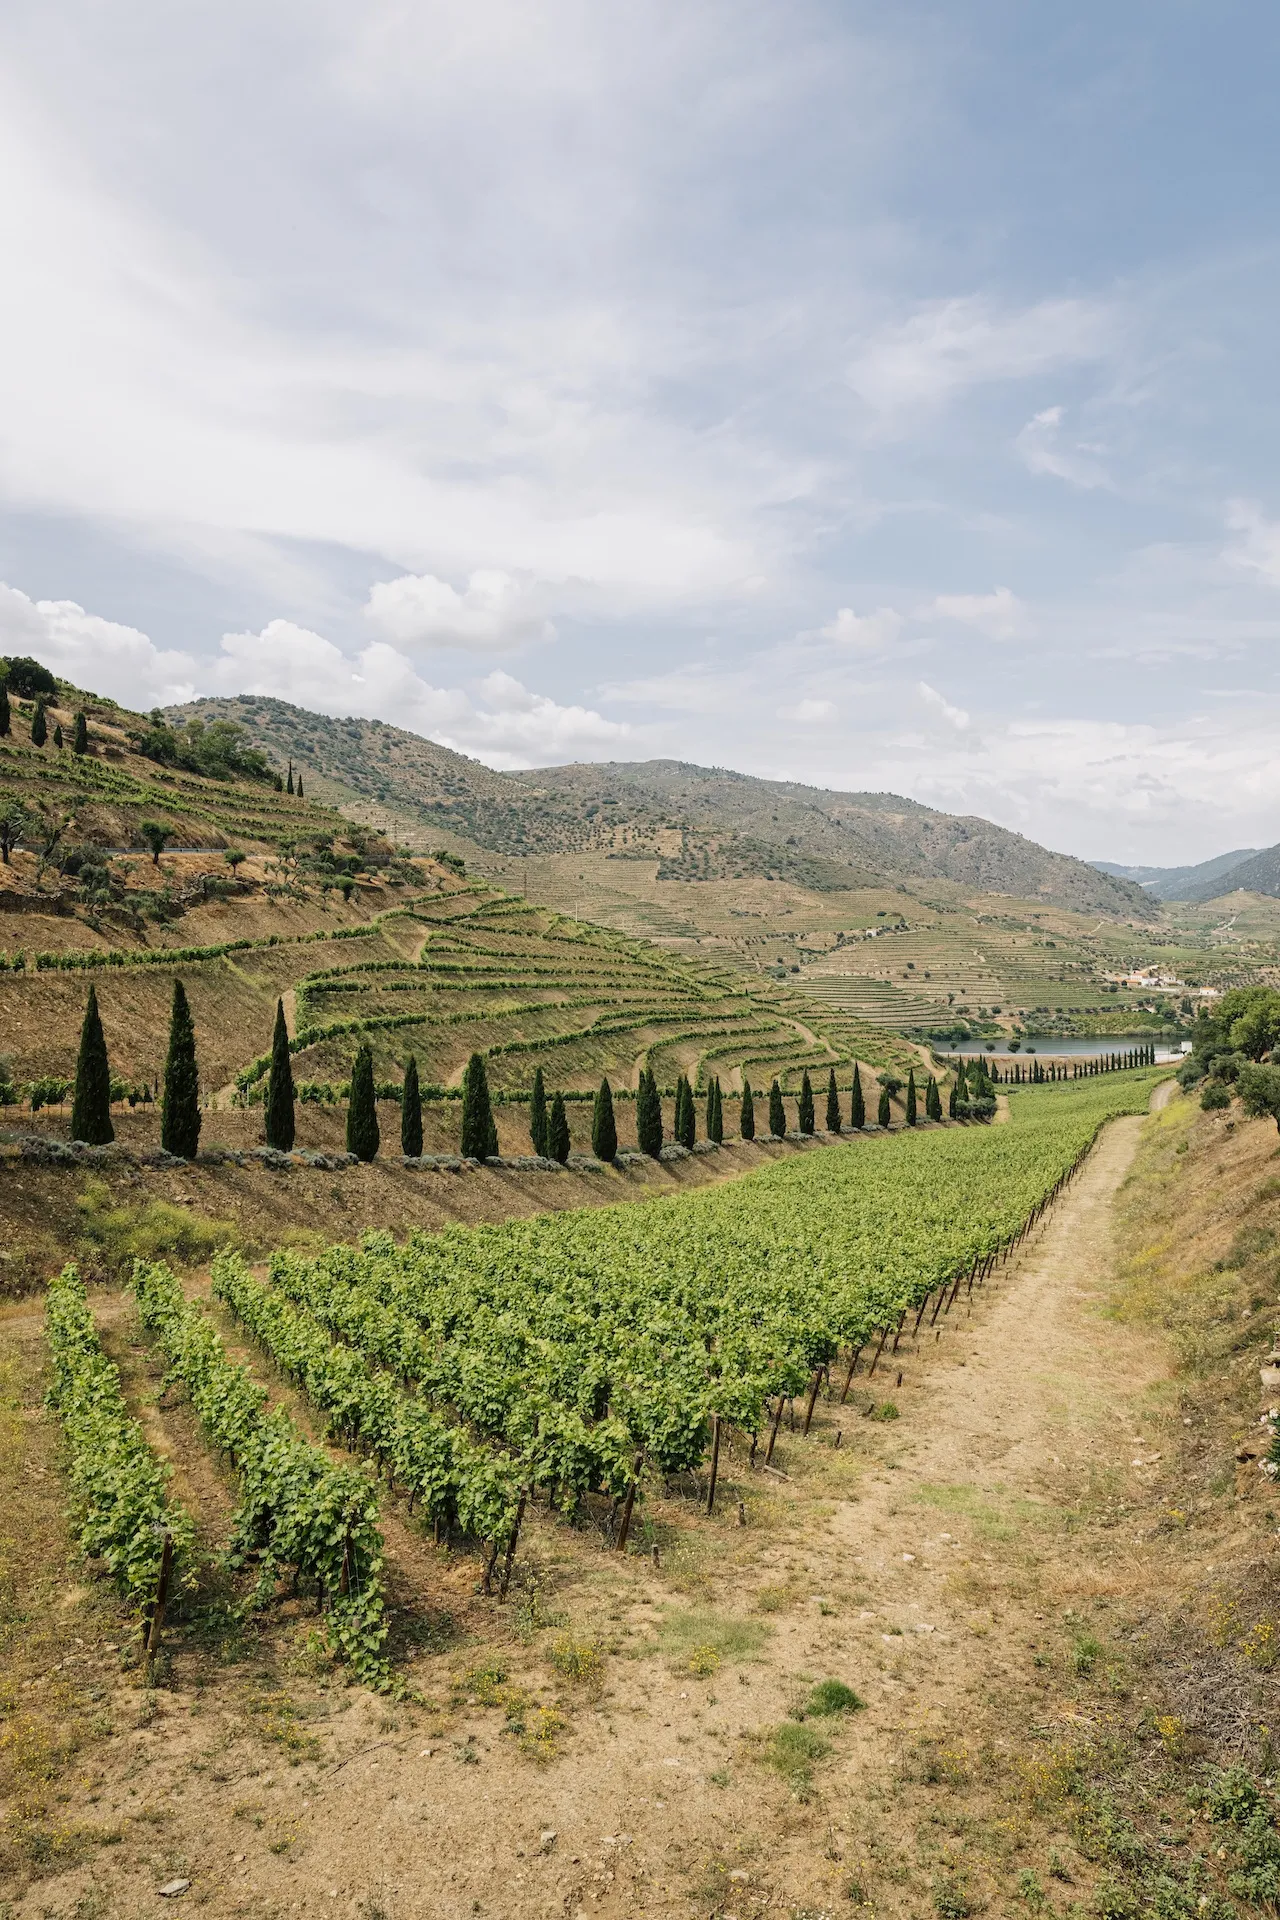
1200,882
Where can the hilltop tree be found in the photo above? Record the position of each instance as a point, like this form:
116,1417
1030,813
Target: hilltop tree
804,1108
6,712
57,736
180,1108
411,1111
538,1115
648,1114
834,1116
932,1101
91,1104
279,1102
558,1142
157,837
363,1136
80,739
777,1113
884,1114
479,1134
747,1124
912,1111
39,726
857,1101
604,1128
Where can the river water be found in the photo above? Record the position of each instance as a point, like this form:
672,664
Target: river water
1068,1047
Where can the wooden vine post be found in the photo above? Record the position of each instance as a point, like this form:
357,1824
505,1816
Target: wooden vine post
625,1528
505,1582
848,1379
715,1460
813,1399
156,1623
773,1434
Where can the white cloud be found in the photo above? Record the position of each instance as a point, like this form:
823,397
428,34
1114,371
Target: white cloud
954,716
999,614
100,655
515,728
1258,549
867,631
948,346
1040,446
493,614
808,712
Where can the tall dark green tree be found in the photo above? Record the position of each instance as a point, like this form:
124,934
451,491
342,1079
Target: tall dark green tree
80,740
648,1115
715,1112
604,1128
57,737
686,1125
884,1114
39,726
363,1135
538,1114
747,1123
857,1101
180,1111
932,1101
6,712
289,788
91,1105
411,1111
805,1118
279,1102
913,1112
834,1116
479,1134
777,1112
558,1142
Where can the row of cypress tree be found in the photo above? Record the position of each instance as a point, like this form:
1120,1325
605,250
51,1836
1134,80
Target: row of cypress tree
180,1103
40,725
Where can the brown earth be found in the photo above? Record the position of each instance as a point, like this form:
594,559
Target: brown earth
995,1571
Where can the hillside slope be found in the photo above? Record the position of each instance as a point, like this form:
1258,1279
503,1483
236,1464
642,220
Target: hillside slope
1181,883
1260,874
729,825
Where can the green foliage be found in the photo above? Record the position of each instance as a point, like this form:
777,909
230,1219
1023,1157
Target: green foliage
121,1232
1259,1090
715,1112
777,1112
157,837
604,1129
298,1510
119,1487
411,1111
218,749
685,1119
39,726
804,1108
558,1142
857,1101
363,1136
538,1114
747,1120
279,1113
80,740
1214,1095
912,1110
13,824
479,1134
180,1111
884,1114
835,1120
792,1751
648,1115
6,712
932,1100
27,679
91,1107
832,1696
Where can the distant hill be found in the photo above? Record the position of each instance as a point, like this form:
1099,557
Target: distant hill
1182,883
1259,873
698,822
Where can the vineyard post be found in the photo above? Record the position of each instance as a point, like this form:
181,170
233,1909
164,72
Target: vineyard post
937,1305
773,1433
486,1583
511,1549
344,1581
156,1622
625,1528
879,1350
920,1316
898,1334
813,1396
848,1379
715,1462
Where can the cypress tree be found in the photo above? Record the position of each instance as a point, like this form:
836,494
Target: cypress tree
648,1115
932,1101
279,1102
912,1111
777,1113
747,1124
558,1131
604,1128
882,1117
299,786
952,1097
180,1113
538,1115
6,713
686,1129
479,1135
363,1137
834,1119
91,1106
857,1103
411,1112
715,1124
39,726
804,1110
709,1115
289,787
80,740
57,736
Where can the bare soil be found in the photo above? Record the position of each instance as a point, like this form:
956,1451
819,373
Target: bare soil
986,1557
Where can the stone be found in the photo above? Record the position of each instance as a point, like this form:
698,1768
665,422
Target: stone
172,1888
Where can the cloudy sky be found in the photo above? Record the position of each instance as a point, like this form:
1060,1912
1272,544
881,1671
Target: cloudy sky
882,395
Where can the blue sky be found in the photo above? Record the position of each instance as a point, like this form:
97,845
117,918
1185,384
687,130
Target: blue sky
882,396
